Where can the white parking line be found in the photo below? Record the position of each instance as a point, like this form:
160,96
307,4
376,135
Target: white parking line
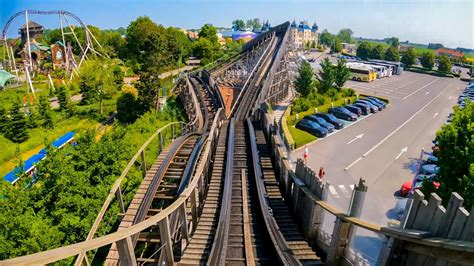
397,129
352,186
404,98
343,188
333,191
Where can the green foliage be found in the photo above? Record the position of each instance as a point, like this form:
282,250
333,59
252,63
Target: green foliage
341,74
326,38
345,35
326,76
456,157
148,89
336,46
99,80
377,52
64,100
430,72
45,112
253,23
209,32
127,108
205,49
16,127
304,83
364,49
238,24
391,54
427,60
444,63
409,57
394,42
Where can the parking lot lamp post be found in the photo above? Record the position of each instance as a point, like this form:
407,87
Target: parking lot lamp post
297,116
316,110
332,105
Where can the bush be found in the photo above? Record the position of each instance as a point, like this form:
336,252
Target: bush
300,105
429,72
347,92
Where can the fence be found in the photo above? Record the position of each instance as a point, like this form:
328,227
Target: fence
446,237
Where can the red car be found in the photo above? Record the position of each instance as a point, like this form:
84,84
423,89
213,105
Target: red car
406,187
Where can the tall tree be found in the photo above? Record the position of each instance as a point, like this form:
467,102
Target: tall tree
44,109
138,33
326,38
378,52
148,91
16,128
363,50
345,35
326,76
427,60
127,108
341,74
304,83
64,100
209,32
336,46
391,54
238,24
409,57
444,63
456,157
394,42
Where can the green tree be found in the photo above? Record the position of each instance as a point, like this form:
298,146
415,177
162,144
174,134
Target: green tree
127,108
238,24
427,60
336,46
63,98
205,50
444,63
326,38
304,83
341,74
394,42
363,50
148,91
138,33
326,76
16,128
45,112
391,54
456,157
377,52
345,35
209,32
3,118
409,57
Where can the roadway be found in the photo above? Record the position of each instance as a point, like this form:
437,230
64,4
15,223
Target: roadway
382,147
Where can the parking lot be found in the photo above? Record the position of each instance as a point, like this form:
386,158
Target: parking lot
395,87
383,147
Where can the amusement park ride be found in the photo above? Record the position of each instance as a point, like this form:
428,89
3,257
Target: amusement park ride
32,54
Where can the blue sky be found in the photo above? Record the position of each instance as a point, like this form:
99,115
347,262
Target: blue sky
422,21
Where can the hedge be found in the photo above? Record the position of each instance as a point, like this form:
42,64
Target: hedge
429,72
287,137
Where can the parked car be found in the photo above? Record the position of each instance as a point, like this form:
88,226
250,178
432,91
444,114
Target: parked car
432,159
373,108
342,113
363,107
330,127
331,119
377,100
407,186
312,128
354,109
379,105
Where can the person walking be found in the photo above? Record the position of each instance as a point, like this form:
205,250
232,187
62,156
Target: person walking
321,173
306,154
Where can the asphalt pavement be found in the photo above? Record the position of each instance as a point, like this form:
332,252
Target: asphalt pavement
383,147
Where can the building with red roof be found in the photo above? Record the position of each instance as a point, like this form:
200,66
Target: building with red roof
450,53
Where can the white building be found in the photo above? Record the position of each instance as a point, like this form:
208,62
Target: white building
303,34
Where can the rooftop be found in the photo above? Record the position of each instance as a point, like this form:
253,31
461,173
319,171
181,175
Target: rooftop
31,24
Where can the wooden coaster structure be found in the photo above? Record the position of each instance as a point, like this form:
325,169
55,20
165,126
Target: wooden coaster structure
70,63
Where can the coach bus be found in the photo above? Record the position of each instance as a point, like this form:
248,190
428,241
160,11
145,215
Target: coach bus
358,73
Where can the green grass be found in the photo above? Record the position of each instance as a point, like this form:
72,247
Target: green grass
301,137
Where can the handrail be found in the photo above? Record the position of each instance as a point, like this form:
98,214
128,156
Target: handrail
219,245
56,254
281,246
236,103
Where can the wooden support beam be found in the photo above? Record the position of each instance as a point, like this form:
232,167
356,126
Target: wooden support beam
184,221
160,142
165,238
126,252
194,208
339,242
143,163
118,194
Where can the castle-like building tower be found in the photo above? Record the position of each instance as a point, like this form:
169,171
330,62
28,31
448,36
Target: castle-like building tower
302,34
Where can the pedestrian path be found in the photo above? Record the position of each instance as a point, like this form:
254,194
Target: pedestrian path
340,191
279,109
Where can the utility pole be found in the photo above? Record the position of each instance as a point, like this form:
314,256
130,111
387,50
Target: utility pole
28,40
